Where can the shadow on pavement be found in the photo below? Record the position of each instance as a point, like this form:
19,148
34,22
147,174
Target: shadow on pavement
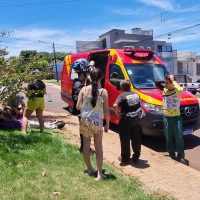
158,143
142,164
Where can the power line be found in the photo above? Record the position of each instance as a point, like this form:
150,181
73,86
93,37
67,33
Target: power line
37,41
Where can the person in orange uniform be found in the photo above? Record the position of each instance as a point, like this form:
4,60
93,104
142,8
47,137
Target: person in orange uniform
173,125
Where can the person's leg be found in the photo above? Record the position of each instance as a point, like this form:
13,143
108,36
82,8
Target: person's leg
178,132
39,114
26,115
135,133
86,154
81,138
168,131
99,153
124,140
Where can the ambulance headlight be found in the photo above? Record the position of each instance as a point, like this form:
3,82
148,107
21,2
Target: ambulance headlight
152,107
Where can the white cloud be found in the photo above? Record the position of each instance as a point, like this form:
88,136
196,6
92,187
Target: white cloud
29,37
124,11
163,4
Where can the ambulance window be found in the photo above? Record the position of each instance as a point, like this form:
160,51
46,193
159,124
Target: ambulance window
115,75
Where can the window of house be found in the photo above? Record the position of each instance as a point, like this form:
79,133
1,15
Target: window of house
159,48
198,69
169,48
180,68
104,43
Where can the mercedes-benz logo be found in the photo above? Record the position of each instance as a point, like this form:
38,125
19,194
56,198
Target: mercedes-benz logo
188,111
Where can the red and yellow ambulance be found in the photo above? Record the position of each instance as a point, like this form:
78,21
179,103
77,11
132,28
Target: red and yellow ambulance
142,67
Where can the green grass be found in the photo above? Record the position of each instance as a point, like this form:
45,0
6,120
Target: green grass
35,166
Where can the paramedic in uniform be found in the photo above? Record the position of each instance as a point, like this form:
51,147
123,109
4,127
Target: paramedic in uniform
127,106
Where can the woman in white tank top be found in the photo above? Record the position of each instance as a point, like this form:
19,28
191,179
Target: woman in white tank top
93,103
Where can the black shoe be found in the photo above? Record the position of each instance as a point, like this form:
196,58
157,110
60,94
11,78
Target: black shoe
183,161
124,161
173,156
135,160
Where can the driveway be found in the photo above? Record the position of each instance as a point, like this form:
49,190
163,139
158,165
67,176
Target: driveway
192,142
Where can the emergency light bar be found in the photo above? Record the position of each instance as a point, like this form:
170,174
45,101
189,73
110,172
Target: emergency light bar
139,54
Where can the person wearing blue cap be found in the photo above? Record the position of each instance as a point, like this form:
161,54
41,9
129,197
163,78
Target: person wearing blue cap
81,67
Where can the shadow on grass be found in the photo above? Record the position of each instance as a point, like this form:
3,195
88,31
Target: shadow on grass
109,176
15,141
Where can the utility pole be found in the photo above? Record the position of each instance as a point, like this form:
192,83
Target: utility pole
54,53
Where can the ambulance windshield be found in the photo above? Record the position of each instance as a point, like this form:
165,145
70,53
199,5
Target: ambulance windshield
144,75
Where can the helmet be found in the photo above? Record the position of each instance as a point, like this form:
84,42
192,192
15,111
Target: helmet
81,65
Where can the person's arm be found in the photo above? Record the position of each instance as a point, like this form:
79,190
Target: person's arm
116,106
177,87
116,109
106,110
80,99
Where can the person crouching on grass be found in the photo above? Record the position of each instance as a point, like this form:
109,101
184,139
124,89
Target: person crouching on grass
173,125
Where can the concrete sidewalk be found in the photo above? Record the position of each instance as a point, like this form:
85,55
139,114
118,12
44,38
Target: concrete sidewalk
154,170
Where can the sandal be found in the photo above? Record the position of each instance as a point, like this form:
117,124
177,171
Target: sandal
92,172
103,177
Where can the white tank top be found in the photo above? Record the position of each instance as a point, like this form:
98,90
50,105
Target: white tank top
95,115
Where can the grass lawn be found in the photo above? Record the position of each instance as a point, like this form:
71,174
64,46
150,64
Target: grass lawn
44,166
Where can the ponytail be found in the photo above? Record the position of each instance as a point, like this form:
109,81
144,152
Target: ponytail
94,93
95,75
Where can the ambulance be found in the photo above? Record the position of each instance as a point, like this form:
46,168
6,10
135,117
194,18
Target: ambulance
142,67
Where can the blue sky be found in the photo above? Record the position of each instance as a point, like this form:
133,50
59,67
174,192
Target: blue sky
36,24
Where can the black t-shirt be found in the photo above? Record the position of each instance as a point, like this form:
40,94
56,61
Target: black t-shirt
76,88
129,102
36,89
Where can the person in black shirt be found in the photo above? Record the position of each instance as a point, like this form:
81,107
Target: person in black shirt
127,106
81,67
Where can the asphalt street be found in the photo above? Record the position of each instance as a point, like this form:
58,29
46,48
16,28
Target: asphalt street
55,104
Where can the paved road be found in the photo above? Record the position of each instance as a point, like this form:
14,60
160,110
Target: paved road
56,104
192,142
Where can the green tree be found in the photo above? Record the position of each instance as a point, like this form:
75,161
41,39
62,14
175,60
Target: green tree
16,72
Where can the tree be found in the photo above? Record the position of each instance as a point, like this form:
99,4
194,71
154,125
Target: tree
16,72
